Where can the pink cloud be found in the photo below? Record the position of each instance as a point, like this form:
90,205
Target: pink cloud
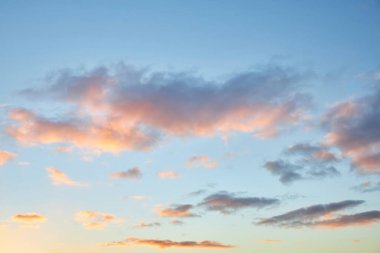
6,156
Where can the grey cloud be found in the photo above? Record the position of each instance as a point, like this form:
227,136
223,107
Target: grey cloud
307,215
227,203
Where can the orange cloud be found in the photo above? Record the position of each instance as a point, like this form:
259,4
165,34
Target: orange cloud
28,218
96,220
60,178
6,156
146,225
201,161
167,244
167,174
176,211
111,113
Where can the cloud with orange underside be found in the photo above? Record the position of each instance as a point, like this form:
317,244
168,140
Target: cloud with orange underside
29,218
180,211
162,244
96,220
6,156
111,113
59,178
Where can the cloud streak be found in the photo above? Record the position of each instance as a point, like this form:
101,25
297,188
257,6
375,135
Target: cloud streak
323,215
162,244
132,173
201,161
28,218
228,203
96,220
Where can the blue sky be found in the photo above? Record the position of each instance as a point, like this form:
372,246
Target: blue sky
237,126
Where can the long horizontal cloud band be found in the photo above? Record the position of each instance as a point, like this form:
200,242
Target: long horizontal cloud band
132,109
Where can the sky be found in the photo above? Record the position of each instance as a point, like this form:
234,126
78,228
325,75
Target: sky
189,126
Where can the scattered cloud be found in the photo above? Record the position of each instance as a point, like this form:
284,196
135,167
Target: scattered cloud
227,203
28,218
308,162
167,244
198,192
6,156
167,174
132,173
177,222
319,215
353,127
201,161
138,197
123,108
96,220
147,225
59,178
177,211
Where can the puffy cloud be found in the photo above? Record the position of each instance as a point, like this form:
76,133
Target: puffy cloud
96,220
201,161
226,203
6,156
112,110
132,173
353,126
59,178
167,174
167,244
309,216
177,211
28,218
308,162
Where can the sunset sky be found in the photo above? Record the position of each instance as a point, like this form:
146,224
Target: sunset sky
190,126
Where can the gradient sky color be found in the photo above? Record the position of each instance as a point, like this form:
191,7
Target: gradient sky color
202,126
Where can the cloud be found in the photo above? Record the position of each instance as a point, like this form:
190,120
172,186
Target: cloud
177,211
59,178
122,108
358,219
353,126
177,222
307,162
132,173
138,197
198,192
28,218
201,161
367,186
96,220
167,174
309,216
167,244
227,203
6,156
147,225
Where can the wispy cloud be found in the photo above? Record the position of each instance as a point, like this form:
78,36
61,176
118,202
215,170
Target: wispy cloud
59,178
132,173
167,244
201,161
307,162
148,225
96,220
324,216
116,109
167,174
368,186
6,156
227,203
176,211
270,241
